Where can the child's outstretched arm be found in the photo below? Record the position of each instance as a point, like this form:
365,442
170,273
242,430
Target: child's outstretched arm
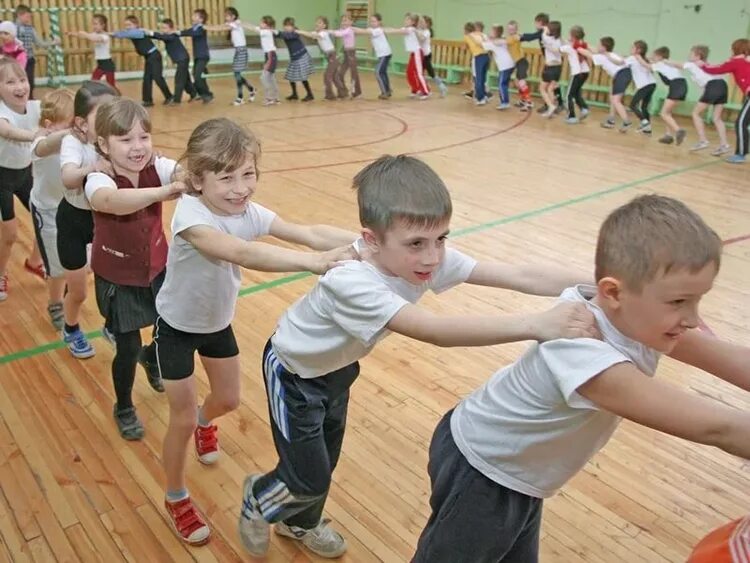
308,34
317,237
726,361
625,391
8,131
546,280
109,199
93,37
50,144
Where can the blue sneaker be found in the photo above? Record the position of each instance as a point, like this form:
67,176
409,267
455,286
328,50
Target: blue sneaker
736,159
78,344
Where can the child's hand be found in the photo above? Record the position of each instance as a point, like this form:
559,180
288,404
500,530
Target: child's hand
174,190
41,132
332,258
567,320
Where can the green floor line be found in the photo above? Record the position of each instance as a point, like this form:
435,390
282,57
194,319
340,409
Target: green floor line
37,350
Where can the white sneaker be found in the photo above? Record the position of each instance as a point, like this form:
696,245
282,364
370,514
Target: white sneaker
255,532
481,102
699,146
321,540
584,114
722,149
550,113
238,102
251,96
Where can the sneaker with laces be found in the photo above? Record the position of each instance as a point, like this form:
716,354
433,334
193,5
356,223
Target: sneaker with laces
128,423
699,146
56,315
721,150
666,139
572,121
736,159
187,522
625,126
550,113
152,371
207,444
481,102
559,109
542,109
78,344
308,98
37,270
3,287
679,136
584,114
443,90
251,96
322,540
608,123
502,107
238,102
255,532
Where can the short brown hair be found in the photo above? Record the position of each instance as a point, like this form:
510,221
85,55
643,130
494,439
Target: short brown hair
401,188
497,30
554,28
641,47
577,32
133,19
102,19
289,21
662,52
608,43
479,26
469,27
654,235
119,116
22,9
325,20
269,21
202,13
541,17
740,47
701,51
57,106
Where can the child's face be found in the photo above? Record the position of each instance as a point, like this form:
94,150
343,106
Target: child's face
196,18
666,307
228,193
263,25
228,18
512,29
539,24
633,49
320,25
96,26
14,90
6,37
166,28
693,57
411,253
130,152
656,57
289,27
346,21
374,22
129,24
25,18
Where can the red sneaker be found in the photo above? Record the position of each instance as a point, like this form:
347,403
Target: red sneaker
188,522
37,270
207,444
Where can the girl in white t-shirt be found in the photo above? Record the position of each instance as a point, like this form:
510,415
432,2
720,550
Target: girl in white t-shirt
99,36
56,118
645,85
552,66
496,45
267,35
19,120
214,234
236,30
424,34
383,52
331,77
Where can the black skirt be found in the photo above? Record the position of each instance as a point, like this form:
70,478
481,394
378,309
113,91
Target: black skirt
126,307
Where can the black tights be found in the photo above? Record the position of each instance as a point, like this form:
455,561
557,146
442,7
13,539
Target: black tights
305,83
128,346
641,100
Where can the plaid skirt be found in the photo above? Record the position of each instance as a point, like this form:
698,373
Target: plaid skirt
125,307
239,62
300,69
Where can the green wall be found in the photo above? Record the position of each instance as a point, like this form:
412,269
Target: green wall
303,11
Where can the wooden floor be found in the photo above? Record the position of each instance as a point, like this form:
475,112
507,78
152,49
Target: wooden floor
524,189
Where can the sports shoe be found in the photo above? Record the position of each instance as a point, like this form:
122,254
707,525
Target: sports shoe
722,149
699,146
292,97
736,159
78,344
251,96
559,109
550,113
380,97
56,315
169,101
625,126
3,287
147,104
584,114
152,371
572,121
644,124
423,97
481,102
666,139
238,102
270,102
308,98
128,423
469,95
542,109
207,444
255,532
502,106
646,130
322,540
187,522
208,99
520,104
679,136
443,89
37,270
608,123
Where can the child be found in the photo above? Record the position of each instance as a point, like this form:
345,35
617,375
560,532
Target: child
728,544
56,117
527,431
233,24
201,54
312,359
213,234
541,21
644,84
152,69
99,36
382,51
179,55
129,252
504,63
552,66
425,34
614,65
12,48
513,42
480,61
27,35
349,62
739,67
672,77
579,73
414,69
19,121
268,76
714,93
300,65
331,76
75,224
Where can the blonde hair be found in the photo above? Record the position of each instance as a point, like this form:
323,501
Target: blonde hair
654,235
401,188
11,65
57,106
118,117
217,145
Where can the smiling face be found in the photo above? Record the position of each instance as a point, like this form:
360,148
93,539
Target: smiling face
14,88
128,153
6,38
228,192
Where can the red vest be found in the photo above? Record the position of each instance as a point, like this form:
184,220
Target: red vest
130,249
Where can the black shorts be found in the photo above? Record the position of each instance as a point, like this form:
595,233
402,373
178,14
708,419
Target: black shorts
715,92
551,73
677,89
126,308
14,182
105,65
175,349
522,68
75,230
620,81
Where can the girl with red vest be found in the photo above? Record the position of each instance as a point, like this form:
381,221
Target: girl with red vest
129,251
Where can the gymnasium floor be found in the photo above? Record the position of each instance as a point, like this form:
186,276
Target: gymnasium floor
524,189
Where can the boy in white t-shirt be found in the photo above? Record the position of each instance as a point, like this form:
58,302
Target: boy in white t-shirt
527,431
312,359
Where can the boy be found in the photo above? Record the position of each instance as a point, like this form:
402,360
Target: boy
152,69
201,54
536,423
541,20
179,55
28,36
312,359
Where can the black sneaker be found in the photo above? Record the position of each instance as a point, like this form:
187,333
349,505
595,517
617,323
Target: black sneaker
147,104
169,101
559,109
208,99
308,98
128,424
152,371
194,97
292,97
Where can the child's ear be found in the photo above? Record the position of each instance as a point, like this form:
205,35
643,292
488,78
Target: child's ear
371,239
102,144
46,124
610,292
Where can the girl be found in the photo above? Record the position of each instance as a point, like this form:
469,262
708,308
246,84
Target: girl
56,118
268,76
552,66
414,69
11,46
331,76
644,83
233,24
75,224
213,236
382,51
615,66
739,66
300,63
19,119
504,62
579,73
678,87
129,252
349,62
513,41
99,36
424,34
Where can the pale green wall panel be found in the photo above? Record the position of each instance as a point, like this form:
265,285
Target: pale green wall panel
303,11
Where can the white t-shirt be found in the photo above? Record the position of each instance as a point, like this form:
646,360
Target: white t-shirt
606,63
641,75
503,60
552,55
342,318
267,42
379,42
101,50
324,41
528,428
199,293
425,41
667,71
73,151
576,65
699,76
48,189
411,41
17,154
95,181
237,33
